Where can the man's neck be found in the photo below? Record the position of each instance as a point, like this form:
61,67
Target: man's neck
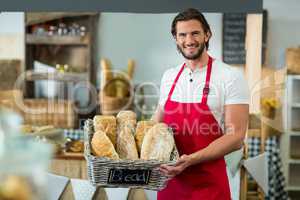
198,63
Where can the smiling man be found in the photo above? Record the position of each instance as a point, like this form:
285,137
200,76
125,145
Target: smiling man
205,102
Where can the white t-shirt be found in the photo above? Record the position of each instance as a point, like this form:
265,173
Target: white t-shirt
227,86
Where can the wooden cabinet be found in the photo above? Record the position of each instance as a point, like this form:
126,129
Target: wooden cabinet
76,51
74,48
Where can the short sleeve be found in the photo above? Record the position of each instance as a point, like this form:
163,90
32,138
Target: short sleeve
237,90
162,91
165,85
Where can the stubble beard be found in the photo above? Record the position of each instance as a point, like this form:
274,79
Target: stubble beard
197,55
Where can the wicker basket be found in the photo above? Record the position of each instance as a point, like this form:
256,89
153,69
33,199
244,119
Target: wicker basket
122,99
59,113
13,95
9,99
100,169
112,105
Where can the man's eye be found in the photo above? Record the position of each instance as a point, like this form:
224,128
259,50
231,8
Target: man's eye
182,34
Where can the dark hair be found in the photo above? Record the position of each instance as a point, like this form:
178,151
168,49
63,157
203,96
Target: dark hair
190,14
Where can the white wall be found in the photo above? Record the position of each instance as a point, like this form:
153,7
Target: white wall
12,45
11,22
283,29
146,38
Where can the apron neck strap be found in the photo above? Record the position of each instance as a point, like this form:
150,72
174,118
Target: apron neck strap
175,81
207,80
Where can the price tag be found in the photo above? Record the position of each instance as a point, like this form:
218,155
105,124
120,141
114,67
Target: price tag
129,176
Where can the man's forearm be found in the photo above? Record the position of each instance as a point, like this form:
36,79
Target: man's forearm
218,148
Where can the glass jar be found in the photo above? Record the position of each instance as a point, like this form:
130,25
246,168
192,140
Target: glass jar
23,163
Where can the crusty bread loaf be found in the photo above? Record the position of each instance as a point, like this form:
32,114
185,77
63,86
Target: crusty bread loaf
102,146
158,143
141,128
126,118
107,124
126,146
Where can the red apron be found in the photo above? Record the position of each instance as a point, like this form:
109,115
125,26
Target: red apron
195,128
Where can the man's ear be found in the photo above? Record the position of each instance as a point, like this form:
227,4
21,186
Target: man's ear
174,37
207,36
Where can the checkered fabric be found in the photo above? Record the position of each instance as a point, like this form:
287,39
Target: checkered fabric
276,177
253,146
75,134
253,149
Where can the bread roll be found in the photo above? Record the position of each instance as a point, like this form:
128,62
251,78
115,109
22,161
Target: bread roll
107,124
126,118
27,128
102,146
141,128
126,146
158,143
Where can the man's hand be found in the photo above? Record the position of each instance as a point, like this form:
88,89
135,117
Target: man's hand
171,171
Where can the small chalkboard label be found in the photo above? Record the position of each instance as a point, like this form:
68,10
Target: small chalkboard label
129,176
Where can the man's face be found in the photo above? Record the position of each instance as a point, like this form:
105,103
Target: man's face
190,39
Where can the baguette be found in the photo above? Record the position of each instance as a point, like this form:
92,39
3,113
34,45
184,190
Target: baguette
102,146
126,146
126,118
107,124
158,143
141,128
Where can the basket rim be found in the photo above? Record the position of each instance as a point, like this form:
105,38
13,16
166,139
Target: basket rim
98,167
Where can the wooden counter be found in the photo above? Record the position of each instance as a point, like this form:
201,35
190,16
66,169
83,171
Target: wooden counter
75,167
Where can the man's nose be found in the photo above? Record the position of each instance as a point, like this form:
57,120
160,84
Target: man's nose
190,39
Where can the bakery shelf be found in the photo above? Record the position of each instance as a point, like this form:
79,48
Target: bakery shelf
69,156
294,161
295,119
295,77
57,40
295,147
294,174
58,76
290,140
295,90
293,188
294,133
76,51
295,105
